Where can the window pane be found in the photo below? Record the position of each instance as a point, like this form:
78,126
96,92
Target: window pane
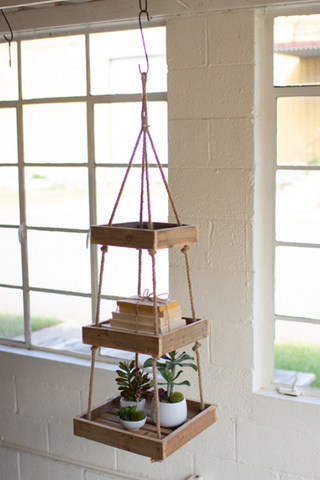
9,196
57,321
108,186
9,75
117,127
57,197
115,60
297,282
11,314
55,133
298,206
121,267
298,131
54,67
297,350
59,261
8,135
296,50
10,257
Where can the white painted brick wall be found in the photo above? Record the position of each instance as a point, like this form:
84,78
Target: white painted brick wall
211,148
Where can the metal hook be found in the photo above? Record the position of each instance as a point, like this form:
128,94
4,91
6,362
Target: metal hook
143,10
7,39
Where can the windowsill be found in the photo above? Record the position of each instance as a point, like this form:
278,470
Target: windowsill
304,398
56,357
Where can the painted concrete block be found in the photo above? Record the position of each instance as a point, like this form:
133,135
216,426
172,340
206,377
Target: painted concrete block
31,465
188,143
231,143
65,445
216,441
7,392
186,41
220,469
177,466
9,469
89,475
216,194
231,337
231,37
229,389
287,412
37,398
225,91
24,431
286,450
218,294
223,245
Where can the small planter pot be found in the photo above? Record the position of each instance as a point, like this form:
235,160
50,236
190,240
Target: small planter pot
171,414
128,425
128,403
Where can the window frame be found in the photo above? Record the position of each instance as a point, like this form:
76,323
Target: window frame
266,166
90,101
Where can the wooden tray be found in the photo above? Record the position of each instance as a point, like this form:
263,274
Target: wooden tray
105,428
163,235
155,345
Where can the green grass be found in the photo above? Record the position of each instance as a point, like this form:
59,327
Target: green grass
298,356
13,326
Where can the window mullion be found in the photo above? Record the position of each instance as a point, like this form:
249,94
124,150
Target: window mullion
22,206
92,184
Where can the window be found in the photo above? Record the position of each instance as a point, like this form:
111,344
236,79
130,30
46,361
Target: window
296,90
69,119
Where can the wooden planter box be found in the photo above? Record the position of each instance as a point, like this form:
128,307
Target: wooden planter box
163,235
105,428
155,345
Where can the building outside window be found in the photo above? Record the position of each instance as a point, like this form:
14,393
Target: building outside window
296,91
69,119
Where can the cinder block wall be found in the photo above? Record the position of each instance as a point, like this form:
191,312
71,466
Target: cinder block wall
211,95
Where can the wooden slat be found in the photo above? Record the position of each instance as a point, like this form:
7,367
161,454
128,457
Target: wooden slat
190,429
163,235
155,345
106,429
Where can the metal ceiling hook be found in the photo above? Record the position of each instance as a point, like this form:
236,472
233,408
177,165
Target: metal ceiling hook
143,10
7,39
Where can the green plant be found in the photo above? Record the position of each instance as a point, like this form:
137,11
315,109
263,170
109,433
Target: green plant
298,356
13,325
133,382
130,414
167,368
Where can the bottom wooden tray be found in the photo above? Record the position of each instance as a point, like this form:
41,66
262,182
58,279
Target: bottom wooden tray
105,428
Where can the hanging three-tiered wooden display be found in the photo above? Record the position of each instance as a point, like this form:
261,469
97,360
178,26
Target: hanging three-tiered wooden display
101,423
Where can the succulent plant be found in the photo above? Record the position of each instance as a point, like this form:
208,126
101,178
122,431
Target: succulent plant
167,366
133,382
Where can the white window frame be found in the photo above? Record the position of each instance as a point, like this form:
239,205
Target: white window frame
266,167
90,101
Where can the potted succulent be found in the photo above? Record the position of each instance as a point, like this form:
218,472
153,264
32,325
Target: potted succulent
133,384
131,418
173,405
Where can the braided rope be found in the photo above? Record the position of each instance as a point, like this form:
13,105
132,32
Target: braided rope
156,396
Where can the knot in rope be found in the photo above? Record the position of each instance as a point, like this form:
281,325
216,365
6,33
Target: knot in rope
150,296
185,249
104,248
196,346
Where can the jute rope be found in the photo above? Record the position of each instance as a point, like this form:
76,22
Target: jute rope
156,395
197,345
104,250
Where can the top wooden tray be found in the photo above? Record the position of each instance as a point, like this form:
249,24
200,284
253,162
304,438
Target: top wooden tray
163,235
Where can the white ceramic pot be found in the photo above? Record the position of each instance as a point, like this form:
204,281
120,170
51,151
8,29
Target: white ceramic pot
128,403
128,425
171,414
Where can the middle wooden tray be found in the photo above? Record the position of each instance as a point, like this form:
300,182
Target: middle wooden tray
155,345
